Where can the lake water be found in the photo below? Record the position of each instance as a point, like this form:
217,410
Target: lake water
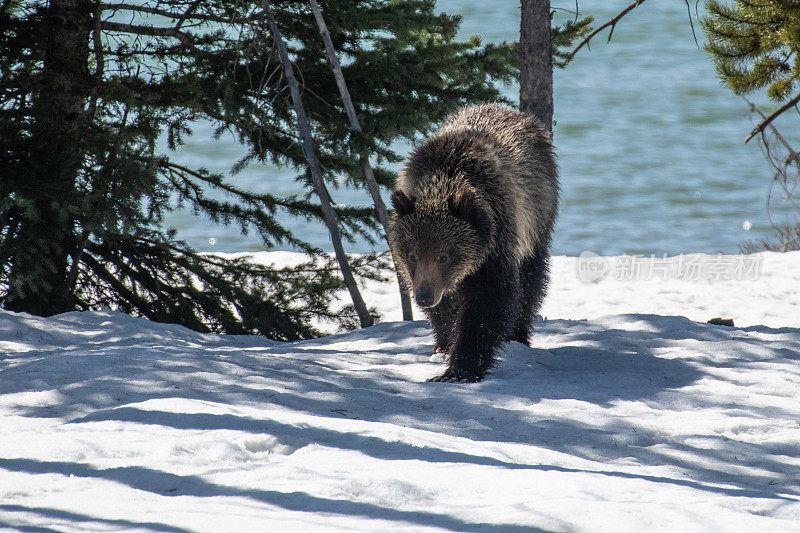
651,147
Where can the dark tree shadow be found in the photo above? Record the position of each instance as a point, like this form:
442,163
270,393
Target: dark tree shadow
378,375
171,485
79,518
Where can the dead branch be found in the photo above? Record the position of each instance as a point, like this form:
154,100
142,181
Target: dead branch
793,154
612,23
768,120
331,220
369,175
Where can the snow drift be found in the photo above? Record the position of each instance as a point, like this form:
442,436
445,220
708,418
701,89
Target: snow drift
627,422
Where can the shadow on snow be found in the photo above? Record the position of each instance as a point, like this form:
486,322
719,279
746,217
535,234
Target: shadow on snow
594,362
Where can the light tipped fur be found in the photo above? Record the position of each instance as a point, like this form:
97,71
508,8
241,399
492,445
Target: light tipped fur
475,206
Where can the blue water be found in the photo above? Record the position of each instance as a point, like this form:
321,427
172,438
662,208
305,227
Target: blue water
651,147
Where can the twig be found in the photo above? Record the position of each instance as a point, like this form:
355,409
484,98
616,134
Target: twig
781,166
691,22
768,120
772,127
612,23
188,12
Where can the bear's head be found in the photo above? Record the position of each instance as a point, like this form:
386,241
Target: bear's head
436,248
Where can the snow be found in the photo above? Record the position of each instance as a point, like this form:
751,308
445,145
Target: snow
756,289
628,414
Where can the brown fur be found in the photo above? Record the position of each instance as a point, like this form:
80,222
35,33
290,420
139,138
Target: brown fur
474,210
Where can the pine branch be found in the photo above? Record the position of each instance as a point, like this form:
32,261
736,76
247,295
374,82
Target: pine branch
168,14
245,195
185,14
154,31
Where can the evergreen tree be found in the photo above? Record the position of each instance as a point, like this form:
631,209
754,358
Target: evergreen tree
755,45
87,88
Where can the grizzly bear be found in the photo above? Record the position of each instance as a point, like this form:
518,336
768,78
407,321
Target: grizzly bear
474,207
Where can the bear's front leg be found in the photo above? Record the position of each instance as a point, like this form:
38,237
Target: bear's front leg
442,319
482,324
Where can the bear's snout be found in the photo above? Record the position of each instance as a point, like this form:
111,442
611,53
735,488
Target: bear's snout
424,296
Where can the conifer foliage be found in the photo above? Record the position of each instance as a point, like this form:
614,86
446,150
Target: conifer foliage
87,88
755,44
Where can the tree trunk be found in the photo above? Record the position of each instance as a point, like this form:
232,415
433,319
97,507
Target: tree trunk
536,61
369,176
38,277
331,220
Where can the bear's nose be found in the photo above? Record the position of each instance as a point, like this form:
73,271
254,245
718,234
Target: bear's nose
424,297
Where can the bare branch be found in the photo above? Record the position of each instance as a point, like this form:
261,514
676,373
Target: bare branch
782,165
691,22
612,23
188,12
355,125
331,220
777,133
145,30
768,120
140,9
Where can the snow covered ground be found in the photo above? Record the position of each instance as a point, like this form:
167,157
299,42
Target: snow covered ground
757,289
625,416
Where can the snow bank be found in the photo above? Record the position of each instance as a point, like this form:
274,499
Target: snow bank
629,422
756,289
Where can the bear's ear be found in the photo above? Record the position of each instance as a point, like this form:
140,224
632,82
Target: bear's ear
466,207
463,205
403,205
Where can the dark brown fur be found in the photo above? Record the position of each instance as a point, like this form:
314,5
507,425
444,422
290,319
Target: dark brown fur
474,211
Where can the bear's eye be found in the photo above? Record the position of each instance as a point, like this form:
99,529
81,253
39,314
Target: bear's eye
412,258
443,258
